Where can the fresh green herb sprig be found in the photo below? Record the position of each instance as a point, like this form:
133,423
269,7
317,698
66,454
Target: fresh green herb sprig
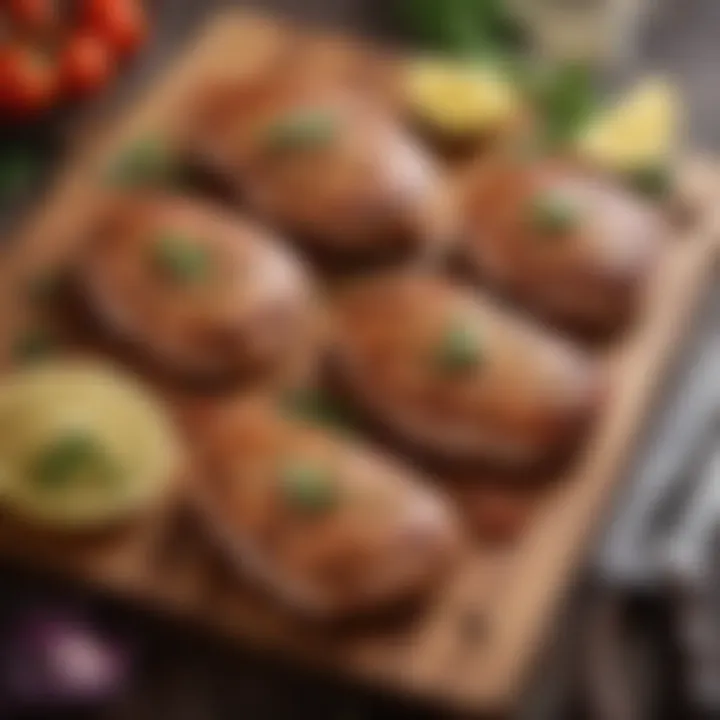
553,215
181,259
564,99
309,488
301,130
459,350
562,94
76,457
461,26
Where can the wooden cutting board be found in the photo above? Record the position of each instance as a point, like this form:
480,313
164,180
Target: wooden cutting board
473,646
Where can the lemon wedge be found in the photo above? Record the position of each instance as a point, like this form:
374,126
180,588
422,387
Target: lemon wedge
81,445
460,99
640,132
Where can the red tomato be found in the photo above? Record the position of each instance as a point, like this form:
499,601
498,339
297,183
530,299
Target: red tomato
28,82
32,14
122,23
86,64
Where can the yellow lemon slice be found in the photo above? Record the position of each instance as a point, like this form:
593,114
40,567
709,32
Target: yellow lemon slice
82,445
640,132
458,98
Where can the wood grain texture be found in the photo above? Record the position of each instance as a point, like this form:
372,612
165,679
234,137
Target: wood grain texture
472,647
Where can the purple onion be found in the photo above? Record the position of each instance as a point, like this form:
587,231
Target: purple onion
58,657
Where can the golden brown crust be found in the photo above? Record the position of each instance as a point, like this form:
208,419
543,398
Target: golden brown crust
364,191
200,293
457,376
589,275
377,535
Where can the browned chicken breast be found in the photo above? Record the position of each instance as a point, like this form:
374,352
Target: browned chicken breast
455,375
569,245
328,165
331,527
199,293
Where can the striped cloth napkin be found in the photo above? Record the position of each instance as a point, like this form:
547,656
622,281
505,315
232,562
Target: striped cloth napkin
665,533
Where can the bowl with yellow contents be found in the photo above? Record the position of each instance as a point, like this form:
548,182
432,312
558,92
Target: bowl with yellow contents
82,447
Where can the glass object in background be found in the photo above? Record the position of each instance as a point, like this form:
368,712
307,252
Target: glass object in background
589,30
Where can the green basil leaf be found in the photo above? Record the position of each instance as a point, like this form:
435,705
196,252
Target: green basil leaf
301,130
476,27
75,458
565,99
497,24
309,488
182,259
552,214
459,350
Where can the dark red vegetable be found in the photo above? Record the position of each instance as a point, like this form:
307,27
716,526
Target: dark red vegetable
28,81
123,24
86,64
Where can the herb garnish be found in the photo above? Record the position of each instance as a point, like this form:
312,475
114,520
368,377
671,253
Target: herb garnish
562,94
149,161
308,487
76,457
553,214
459,349
182,259
303,129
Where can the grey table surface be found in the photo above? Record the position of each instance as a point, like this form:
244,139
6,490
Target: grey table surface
681,38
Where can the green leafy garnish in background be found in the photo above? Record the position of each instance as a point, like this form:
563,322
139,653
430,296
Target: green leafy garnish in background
565,99
18,171
461,26
562,94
